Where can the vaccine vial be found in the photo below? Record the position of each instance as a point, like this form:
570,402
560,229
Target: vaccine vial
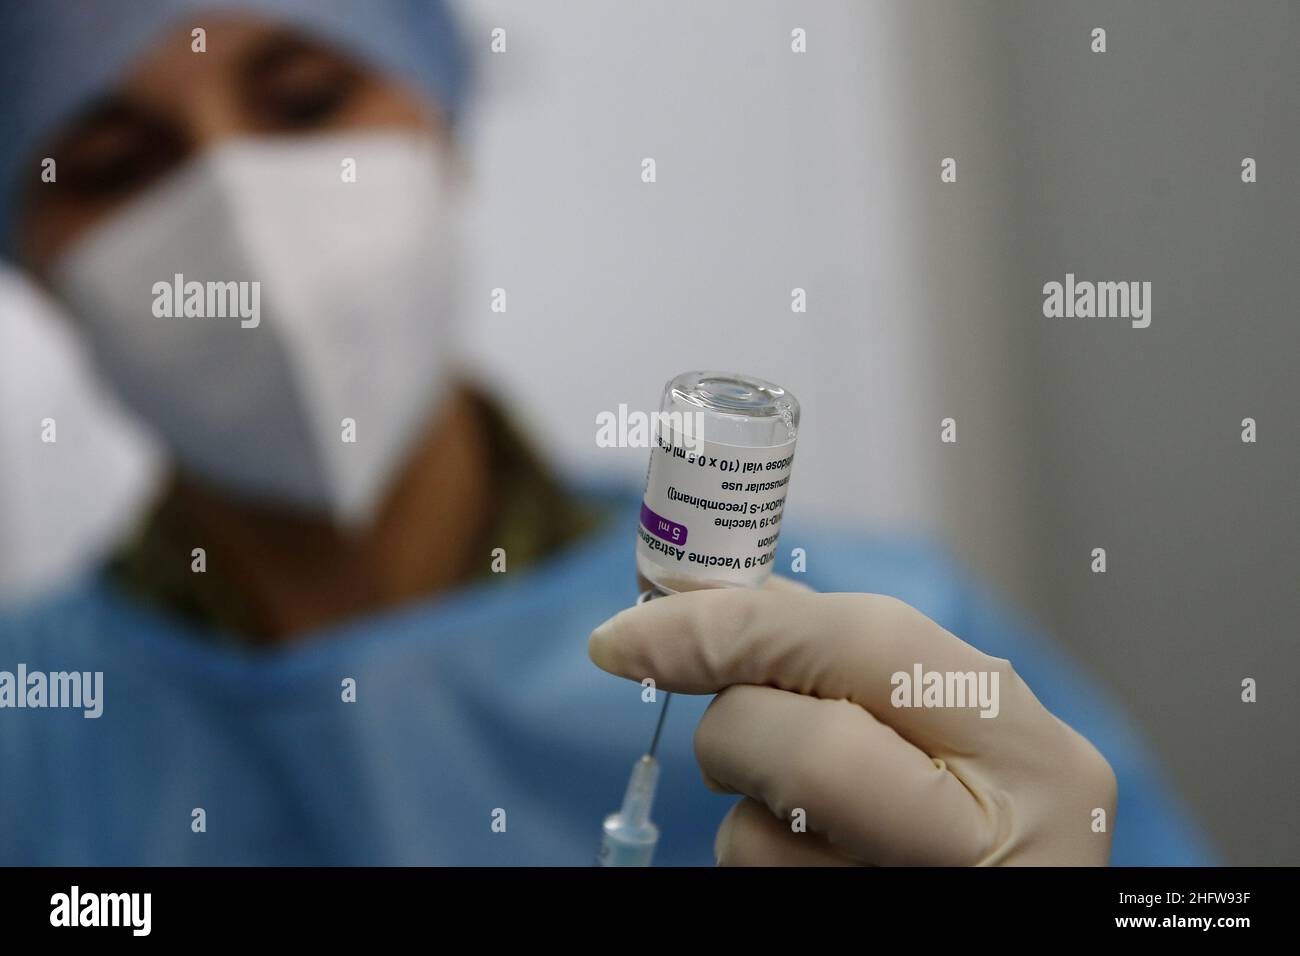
720,461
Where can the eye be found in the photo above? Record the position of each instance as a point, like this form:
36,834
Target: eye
115,151
294,86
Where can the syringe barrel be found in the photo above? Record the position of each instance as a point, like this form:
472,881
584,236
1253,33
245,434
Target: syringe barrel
629,837
621,847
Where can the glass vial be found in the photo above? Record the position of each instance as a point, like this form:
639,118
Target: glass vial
720,462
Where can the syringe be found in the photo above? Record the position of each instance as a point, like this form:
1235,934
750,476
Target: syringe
630,836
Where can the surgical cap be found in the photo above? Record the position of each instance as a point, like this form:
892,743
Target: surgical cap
58,55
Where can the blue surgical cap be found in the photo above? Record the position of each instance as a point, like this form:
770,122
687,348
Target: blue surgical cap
58,55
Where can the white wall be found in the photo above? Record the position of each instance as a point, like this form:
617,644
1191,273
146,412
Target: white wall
775,170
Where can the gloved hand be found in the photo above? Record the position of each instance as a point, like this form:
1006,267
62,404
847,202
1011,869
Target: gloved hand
805,721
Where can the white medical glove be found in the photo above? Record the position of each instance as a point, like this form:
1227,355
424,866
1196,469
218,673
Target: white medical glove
803,726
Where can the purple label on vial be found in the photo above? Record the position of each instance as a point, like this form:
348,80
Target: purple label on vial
661,527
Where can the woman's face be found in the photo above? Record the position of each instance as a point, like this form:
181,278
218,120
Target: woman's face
254,79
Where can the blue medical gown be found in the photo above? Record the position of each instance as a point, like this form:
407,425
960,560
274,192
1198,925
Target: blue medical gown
474,706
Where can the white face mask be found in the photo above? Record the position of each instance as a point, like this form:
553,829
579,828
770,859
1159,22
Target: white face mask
351,320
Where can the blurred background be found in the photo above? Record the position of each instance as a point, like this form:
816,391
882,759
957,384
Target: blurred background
820,171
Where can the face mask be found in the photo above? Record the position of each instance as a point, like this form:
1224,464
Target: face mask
279,312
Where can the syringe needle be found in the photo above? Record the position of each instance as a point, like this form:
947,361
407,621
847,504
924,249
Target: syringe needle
659,726
629,835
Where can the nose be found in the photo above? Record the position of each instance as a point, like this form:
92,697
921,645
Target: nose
212,117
